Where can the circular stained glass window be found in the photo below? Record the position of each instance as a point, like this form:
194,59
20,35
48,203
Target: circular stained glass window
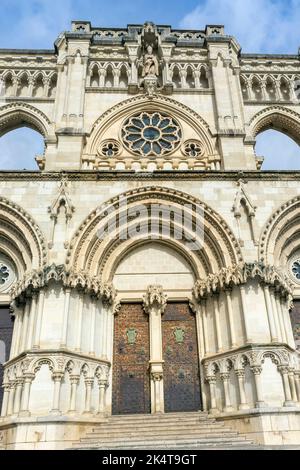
151,134
296,269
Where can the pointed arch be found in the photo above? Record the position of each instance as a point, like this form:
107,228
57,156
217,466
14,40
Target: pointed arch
281,234
139,103
19,114
88,252
278,118
21,238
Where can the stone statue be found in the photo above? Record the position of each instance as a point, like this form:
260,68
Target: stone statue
150,63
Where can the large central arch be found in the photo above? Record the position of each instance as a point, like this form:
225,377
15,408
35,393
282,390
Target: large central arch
219,247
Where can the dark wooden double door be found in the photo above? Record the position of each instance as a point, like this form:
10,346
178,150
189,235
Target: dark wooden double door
131,379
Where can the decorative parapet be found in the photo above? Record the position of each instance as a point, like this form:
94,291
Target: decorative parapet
240,274
252,356
81,280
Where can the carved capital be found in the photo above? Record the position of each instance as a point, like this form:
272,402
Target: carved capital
154,299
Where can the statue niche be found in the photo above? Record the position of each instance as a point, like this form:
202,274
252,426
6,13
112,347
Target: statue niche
150,63
150,71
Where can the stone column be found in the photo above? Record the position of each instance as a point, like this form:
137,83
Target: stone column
25,325
212,391
225,380
11,398
57,378
293,385
39,320
248,339
15,345
275,313
79,322
217,322
284,370
6,390
18,395
89,382
102,384
273,333
28,378
280,317
233,342
297,384
92,328
63,341
74,380
32,319
197,78
155,302
241,380
258,386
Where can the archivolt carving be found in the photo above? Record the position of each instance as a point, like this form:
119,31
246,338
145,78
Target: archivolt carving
279,118
90,253
22,236
277,242
14,115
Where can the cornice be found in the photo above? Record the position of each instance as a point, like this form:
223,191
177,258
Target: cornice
107,175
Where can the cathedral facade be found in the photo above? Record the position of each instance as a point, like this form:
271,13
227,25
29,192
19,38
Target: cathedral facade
149,266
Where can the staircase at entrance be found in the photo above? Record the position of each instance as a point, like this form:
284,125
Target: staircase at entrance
193,430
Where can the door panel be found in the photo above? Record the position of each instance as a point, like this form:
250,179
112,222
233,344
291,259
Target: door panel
131,383
181,363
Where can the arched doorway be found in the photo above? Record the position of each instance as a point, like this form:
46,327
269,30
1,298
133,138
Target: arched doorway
151,264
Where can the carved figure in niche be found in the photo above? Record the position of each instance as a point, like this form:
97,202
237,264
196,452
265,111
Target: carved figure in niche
150,63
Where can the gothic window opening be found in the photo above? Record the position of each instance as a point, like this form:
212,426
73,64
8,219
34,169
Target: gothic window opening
19,148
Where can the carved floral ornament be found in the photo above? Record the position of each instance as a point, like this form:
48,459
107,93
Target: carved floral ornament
241,274
38,279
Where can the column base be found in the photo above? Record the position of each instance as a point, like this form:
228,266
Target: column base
244,407
214,411
289,403
24,414
228,409
260,404
55,413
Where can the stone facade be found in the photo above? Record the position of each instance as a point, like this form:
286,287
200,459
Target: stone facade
134,118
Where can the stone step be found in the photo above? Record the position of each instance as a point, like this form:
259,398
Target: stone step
218,440
159,426
156,432
159,437
140,417
193,430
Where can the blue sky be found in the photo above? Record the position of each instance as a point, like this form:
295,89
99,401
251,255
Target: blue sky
270,26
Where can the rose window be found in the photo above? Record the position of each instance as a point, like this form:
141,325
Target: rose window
7,273
4,274
296,269
151,134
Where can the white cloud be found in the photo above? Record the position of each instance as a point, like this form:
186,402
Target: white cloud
33,22
270,26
